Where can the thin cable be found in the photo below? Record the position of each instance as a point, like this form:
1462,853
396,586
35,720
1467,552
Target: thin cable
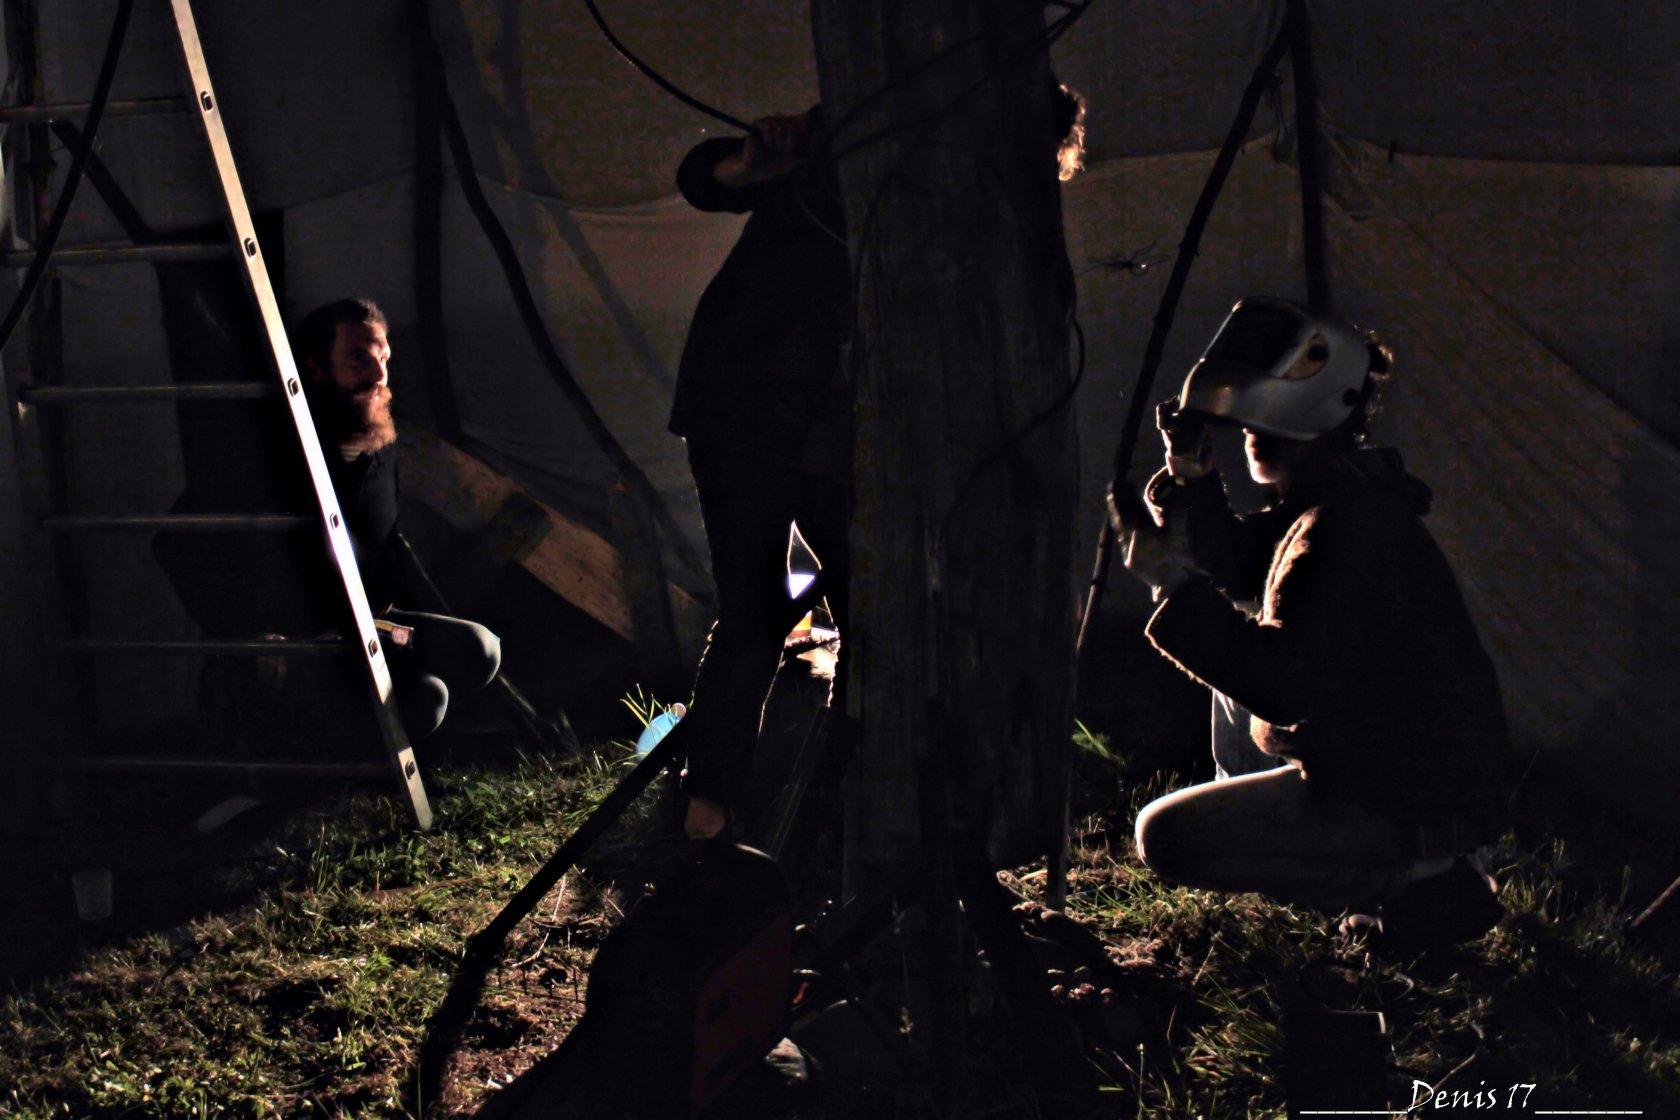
659,79
78,164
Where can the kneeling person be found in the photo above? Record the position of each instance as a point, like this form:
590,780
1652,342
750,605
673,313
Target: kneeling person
1361,667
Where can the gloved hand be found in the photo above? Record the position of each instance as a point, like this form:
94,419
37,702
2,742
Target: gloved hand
1188,442
1157,555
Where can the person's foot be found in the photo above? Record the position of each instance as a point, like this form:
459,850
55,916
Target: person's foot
705,819
1459,904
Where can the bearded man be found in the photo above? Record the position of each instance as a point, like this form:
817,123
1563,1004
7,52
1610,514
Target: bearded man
344,351
237,585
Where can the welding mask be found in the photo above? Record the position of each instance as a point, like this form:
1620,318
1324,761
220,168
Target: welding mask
1276,368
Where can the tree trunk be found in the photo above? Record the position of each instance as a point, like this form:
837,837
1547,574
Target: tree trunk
965,462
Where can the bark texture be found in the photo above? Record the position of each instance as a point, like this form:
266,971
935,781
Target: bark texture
964,466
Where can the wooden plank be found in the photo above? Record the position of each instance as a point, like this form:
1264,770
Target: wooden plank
571,559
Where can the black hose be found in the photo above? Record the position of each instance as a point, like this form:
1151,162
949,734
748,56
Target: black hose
658,79
78,164
1187,250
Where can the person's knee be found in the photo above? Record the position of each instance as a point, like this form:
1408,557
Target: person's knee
490,653
1161,841
422,702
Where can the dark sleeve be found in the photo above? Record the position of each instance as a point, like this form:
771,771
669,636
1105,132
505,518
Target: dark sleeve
1234,551
701,188
1285,665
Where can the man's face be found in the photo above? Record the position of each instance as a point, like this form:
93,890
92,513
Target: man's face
359,363
357,411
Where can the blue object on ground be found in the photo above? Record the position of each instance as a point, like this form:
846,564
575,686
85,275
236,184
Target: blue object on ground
658,727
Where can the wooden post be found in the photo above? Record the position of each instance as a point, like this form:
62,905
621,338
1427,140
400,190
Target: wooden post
965,461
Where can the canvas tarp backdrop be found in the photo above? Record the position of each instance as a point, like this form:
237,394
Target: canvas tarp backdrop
1505,210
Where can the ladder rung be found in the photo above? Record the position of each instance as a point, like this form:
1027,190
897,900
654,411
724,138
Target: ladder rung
76,111
278,647
142,763
123,254
123,394
179,522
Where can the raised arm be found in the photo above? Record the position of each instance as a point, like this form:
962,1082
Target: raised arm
728,173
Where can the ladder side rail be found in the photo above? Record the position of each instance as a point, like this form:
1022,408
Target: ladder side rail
249,252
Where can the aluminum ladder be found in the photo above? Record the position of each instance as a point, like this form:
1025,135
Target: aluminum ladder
34,393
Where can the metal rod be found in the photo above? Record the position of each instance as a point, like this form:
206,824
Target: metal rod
122,254
178,522
483,949
1162,326
129,394
557,733
76,111
1057,866
278,647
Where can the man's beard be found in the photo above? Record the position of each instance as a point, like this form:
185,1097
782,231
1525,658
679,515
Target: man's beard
361,424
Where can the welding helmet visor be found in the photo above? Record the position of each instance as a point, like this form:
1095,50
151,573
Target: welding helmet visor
1276,368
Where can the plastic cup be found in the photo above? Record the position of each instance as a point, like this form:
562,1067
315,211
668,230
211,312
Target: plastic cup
93,893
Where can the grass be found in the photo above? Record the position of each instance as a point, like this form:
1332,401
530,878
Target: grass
1553,998
311,1000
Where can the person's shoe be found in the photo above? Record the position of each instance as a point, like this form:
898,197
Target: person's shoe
706,819
1458,905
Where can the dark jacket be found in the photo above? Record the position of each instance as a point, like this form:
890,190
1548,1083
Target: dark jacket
368,495
238,584
1364,665
761,367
